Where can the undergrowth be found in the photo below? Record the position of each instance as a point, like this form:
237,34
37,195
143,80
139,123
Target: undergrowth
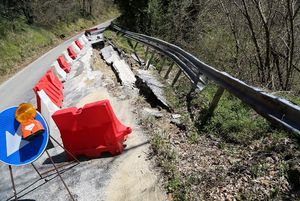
232,120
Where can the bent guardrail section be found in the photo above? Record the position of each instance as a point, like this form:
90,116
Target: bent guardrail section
275,109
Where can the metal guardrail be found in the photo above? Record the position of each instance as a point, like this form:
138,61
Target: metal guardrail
275,109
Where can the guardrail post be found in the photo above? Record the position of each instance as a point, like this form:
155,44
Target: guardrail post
176,77
162,65
134,50
129,42
135,46
169,70
150,60
213,105
146,53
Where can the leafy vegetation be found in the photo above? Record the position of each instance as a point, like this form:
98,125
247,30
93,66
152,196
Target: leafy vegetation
21,40
256,41
243,147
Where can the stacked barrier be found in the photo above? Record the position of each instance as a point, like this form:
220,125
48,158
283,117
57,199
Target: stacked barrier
87,131
64,64
51,84
71,52
48,83
84,38
91,130
67,57
78,43
75,47
51,77
59,71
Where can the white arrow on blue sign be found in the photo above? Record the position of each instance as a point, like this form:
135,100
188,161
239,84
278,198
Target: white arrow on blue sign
14,150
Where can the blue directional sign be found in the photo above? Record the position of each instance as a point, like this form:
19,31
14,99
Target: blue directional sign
14,150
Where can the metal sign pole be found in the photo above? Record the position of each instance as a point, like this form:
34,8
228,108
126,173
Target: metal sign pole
60,175
64,149
15,144
13,182
36,170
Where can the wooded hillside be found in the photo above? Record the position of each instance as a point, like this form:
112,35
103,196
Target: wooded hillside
258,41
29,27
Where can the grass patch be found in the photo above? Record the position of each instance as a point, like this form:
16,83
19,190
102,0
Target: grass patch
232,120
124,43
167,160
17,47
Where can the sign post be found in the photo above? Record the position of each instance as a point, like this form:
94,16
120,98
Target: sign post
16,151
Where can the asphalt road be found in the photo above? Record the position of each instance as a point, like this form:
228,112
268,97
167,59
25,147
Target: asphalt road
18,88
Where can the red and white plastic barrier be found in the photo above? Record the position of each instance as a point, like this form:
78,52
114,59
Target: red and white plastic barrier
78,43
87,131
64,64
67,57
75,47
85,39
48,83
91,130
61,74
72,52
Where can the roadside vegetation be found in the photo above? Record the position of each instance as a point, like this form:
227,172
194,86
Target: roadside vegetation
256,41
29,28
234,155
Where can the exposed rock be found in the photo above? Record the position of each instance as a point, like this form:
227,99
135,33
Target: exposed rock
178,123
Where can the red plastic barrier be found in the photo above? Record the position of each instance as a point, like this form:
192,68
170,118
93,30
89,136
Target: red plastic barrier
71,52
53,79
91,130
78,43
52,87
64,64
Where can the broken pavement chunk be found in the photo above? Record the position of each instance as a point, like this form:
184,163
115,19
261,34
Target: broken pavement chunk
148,82
124,73
107,52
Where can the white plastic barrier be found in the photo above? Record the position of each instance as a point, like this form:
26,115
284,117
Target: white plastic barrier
47,106
61,74
85,38
75,47
47,110
67,57
81,41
